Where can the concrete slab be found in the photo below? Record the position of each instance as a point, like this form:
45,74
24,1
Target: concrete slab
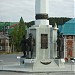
24,73
17,67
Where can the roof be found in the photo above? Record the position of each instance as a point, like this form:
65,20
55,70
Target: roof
60,27
69,27
71,21
4,37
2,23
10,24
7,23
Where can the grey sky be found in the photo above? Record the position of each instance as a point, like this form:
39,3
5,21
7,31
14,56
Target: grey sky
12,10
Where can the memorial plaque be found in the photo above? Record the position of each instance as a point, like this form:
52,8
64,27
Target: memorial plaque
44,41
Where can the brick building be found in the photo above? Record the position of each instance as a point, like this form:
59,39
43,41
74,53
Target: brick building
69,38
4,43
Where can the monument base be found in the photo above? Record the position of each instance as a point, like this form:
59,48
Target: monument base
42,65
60,62
43,51
47,65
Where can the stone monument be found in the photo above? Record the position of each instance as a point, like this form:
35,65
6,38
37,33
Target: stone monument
45,48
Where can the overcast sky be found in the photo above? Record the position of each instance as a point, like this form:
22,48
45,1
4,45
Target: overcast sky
12,10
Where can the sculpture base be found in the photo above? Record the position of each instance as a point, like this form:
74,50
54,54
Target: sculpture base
41,65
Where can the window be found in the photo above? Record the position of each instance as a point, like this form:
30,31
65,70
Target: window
0,47
69,37
0,40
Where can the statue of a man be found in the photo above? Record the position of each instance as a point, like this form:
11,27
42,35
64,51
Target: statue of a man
31,43
23,45
59,46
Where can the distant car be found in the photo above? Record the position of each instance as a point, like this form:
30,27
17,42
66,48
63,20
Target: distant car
72,59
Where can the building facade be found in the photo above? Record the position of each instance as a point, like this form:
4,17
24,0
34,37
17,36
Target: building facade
5,31
69,38
4,43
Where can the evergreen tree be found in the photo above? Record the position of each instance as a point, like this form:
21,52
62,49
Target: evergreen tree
18,33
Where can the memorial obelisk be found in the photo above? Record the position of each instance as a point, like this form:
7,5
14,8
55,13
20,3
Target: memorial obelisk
46,38
44,50
42,36
43,29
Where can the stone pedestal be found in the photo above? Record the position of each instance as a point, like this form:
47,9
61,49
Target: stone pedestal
43,52
42,39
